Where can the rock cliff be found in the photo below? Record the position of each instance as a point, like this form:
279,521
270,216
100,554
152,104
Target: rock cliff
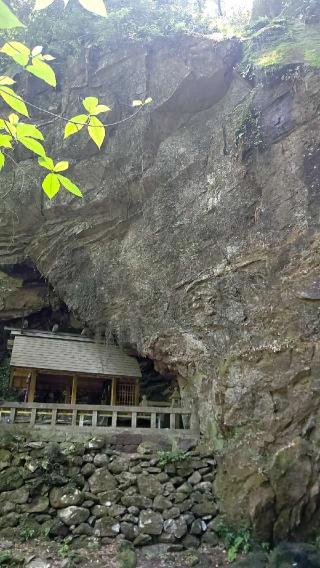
197,242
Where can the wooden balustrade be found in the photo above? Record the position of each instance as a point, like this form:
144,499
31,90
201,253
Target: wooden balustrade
88,416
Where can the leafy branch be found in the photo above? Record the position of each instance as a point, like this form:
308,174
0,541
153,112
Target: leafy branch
13,131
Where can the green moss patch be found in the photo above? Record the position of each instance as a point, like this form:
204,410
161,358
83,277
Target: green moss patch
282,43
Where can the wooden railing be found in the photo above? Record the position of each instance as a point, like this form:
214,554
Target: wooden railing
82,416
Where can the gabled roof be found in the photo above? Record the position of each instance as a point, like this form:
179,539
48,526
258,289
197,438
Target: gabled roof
77,356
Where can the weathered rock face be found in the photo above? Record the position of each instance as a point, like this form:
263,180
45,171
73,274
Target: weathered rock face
197,242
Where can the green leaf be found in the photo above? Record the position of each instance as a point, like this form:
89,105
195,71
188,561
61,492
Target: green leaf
99,109
42,4
148,101
51,185
13,118
48,57
95,6
13,100
34,145
6,80
43,71
61,166
70,186
46,163
2,160
75,124
7,19
19,52
29,130
90,104
96,131
5,141
137,103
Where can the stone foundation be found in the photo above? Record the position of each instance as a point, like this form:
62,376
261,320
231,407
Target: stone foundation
94,494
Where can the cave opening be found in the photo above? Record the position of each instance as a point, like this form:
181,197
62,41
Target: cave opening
155,387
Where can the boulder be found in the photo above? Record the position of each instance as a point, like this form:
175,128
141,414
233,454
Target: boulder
39,504
107,527
10,479
118,465
204,508
83,529
96,443
295,554
88,469
172,513
149,485
175,527
150,523
129,530
65,496
73,515
136,500
18,496
142,539
101,460
161,503
5,458
195,478
102,480
198,527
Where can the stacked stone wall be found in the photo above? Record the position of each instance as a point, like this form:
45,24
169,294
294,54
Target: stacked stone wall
94,494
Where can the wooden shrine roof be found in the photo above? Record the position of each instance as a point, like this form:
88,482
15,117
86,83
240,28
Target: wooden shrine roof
65,354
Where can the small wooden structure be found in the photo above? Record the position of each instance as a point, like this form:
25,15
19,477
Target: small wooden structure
71,369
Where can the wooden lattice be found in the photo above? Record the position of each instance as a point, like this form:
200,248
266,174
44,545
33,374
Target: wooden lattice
126,394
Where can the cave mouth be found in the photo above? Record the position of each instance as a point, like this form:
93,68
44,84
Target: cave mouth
156,387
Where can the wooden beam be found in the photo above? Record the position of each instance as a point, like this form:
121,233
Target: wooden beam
32,386
114,392
137,397
74,389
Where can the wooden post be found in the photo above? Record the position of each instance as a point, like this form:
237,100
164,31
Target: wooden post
114,392
32,387
74,389
137,392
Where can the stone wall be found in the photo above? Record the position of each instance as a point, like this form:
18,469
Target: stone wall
94,494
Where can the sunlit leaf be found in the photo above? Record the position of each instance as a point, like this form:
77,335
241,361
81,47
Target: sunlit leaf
99,109
5,141
70,186
42,4
75,124
29,130
48,57
19,52
43,71
51,185
137,103
13,118
90,104
96,131
6,80
46,163
61,166
2,160
95,6
7,19
148,101
13,100
34,145
36,50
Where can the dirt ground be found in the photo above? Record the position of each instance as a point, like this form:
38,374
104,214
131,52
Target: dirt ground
40,554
